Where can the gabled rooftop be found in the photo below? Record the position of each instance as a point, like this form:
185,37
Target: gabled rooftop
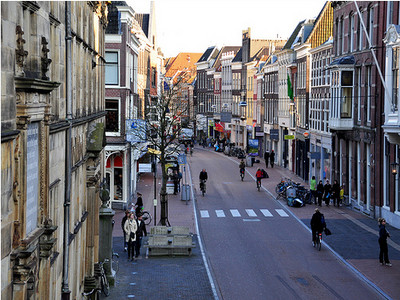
184,61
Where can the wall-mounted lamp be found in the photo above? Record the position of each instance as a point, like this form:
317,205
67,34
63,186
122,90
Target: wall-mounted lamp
394,168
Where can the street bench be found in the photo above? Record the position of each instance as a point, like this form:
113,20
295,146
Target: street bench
175,240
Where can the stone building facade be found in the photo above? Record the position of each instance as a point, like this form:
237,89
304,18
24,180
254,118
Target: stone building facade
52,142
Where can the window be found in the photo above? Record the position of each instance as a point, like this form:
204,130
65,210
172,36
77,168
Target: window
112,117
32,177
370,25
369,94
342,35
347,91
153,77
360,33
351,33
389,19
358,75
395,76
111,68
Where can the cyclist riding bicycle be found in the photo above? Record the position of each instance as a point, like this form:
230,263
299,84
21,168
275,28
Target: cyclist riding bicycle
203,177
318,224
259,176
242,166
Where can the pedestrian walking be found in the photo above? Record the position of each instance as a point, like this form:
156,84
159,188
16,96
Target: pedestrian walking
272,158
141,230
266,157
320,192
139,203
341,195
130,228
313,189
335,193
175,177
127,212
327,192
383,247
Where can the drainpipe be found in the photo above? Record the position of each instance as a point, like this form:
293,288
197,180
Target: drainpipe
68,70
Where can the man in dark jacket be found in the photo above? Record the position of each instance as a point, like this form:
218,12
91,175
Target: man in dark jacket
141,230
317,224
320,192
327,192
272,158
139,204
335,192
266,157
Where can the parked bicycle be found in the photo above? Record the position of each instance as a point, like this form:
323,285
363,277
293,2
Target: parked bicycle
100,273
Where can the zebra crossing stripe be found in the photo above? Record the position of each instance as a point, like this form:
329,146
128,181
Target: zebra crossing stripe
204,214
220,213
235,213
251,213
266,212
282,213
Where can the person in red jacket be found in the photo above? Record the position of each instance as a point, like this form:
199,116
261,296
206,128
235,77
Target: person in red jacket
259,176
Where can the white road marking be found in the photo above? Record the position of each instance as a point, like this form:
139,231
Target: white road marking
235,213
282,213
251,213
220,213
266,212
251,220
204,214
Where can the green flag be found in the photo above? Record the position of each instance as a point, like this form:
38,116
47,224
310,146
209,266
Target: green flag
289,88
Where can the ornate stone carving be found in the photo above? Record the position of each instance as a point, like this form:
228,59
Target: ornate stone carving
46,61
46,241
20,53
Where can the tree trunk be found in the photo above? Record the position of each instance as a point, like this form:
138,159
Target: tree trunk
163,196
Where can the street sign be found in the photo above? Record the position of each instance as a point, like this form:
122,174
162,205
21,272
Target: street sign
289,137
182,159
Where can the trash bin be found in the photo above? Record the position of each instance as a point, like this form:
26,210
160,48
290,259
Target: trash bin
170,187
185,192
249,161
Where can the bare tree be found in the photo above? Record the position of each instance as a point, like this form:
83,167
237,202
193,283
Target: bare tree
161,128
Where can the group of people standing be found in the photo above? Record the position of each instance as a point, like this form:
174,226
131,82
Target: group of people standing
269,158
326,192
134,229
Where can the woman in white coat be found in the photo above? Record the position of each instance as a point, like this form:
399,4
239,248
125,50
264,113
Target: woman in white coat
130,228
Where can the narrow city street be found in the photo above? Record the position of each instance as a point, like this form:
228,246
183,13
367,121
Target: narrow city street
255,248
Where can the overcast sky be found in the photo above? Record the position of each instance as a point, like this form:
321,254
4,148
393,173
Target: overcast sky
194,25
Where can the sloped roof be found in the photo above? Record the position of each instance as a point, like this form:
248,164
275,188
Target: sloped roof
238,57
113,26
292,39
206,54
143,20
183,61
217,63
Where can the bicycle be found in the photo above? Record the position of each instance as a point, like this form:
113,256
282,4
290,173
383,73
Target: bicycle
100,273
318,241
203,187
258,184
85,295
146,217
242,174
